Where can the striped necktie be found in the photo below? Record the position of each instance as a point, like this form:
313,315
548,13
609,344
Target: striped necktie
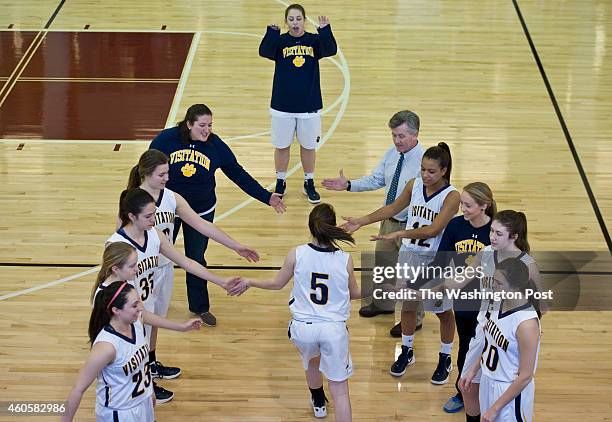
394,182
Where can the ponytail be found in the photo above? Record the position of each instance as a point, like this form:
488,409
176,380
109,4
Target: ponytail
322,225
441,153
516,224
104,303
134,180
115,254
132,201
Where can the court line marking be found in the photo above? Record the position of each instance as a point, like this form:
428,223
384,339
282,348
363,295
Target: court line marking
344,103
178,94
19,63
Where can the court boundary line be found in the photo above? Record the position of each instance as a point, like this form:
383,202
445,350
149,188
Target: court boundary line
566,132
344,69
178,94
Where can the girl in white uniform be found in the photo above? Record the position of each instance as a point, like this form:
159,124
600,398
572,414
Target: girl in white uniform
432,203
511,346
151,175
508,240
323,285
137,213
119,357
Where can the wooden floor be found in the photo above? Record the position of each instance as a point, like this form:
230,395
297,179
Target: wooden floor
465,67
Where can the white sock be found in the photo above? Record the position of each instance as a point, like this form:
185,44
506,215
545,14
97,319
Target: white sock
308,176
281,175
446,348
407,340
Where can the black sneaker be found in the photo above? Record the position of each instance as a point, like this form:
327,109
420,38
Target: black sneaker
442,372
319,409
281,187
207,318
404,360
372,310
396,331
310,192
160,371
161,394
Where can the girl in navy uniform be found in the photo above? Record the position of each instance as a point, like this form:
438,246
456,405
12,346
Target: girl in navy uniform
296,101
196,153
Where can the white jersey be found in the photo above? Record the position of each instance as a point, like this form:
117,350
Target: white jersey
125,382
422,212
148,261
501,358
164,218
320,285
489,263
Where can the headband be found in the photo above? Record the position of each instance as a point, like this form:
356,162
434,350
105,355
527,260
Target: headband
116,294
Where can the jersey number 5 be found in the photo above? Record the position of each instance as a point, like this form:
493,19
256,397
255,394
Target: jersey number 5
319,290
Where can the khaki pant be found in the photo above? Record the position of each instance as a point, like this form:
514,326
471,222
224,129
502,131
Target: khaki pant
388,253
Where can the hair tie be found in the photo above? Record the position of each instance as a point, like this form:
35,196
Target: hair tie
116,294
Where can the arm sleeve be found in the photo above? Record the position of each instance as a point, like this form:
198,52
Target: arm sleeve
237,174
372,181
327,46
269,44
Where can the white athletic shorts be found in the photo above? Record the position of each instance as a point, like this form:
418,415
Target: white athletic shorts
141,413
330,340
307,127
474,352
163,288
520,409
417,260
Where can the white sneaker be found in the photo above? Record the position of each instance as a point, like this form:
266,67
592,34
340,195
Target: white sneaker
319,412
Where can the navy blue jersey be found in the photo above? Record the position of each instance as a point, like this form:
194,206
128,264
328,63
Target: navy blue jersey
465,241
297,87
193,166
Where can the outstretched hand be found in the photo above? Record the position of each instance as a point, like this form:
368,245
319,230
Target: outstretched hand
323,21
389,237
276,202
351,225
337,183
247,253
238,288
274,27
192,324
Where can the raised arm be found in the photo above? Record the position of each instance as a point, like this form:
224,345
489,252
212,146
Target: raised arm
269,43
102,354
327,42
208,229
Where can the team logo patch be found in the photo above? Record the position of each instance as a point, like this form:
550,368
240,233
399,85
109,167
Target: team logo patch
299,61
188,170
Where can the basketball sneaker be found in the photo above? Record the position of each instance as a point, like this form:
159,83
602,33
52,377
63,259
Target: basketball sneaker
442,372
310,192
161,394
320,409
160,371
404,360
